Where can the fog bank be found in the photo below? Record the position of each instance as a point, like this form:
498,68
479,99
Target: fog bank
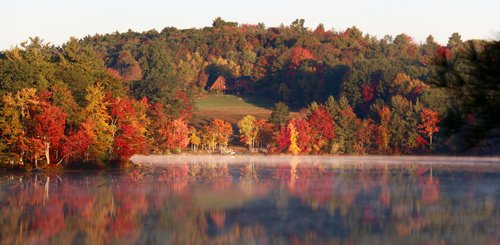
493,162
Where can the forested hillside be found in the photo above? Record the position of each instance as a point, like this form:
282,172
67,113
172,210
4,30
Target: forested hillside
106,97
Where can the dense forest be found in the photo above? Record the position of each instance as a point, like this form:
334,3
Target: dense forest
103,98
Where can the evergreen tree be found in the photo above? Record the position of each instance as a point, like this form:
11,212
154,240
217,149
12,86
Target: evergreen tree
280,114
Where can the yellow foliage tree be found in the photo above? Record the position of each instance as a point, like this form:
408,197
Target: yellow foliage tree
293,148
15,121
249,130
99,121
194,139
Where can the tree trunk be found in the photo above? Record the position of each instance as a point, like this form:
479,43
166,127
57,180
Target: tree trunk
47,152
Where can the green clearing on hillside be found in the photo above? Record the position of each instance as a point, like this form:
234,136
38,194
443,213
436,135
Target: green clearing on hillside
230,108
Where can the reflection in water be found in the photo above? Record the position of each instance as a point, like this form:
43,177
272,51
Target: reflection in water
299,203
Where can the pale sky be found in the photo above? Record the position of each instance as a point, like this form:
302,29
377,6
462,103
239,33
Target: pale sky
57,20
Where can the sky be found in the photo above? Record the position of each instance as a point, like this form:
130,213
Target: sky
57,20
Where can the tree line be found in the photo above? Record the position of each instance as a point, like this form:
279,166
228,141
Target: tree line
105,97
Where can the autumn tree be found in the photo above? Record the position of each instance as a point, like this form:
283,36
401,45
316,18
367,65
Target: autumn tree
290,63
177,135
129,118
76,148
16,124
305,138
428,125
298,55
208,138
128,67
282,138
50,125
249,129
215,134
168,133
265,135
98,123
223,130
382,131
364,135
194,138
293,147
322,128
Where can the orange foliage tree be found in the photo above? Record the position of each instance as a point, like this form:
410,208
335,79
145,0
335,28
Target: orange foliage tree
382,134
299,54
215,134
223,131
303,139
265,135
293,147
167,134
429,120
322,128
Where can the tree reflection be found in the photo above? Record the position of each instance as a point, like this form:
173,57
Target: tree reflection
210,203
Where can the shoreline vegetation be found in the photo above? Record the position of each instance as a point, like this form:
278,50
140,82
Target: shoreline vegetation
97,101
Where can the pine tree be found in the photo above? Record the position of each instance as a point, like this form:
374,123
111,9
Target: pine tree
280,114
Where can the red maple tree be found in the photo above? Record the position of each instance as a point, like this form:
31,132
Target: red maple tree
429,120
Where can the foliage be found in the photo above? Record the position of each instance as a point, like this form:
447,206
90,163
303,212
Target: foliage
470,73
280,114
129,116
215,134
249,129
293,147
107,97
50,126
429,120
98,124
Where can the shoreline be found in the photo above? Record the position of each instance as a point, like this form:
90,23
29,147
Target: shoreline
481,163
326,159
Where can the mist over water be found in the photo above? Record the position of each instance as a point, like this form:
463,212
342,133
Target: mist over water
491,162
182,199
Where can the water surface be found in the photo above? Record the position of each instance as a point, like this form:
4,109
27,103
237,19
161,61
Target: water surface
239,200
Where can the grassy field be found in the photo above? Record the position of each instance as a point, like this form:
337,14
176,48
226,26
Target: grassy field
230,108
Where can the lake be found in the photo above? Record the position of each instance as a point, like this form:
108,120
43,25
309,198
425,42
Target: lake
258,200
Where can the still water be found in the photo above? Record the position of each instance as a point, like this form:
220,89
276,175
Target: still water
284,201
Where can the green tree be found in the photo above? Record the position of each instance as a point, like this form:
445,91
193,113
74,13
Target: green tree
79,67
280,114
219,22
454,41
160,83
472,77
346,127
